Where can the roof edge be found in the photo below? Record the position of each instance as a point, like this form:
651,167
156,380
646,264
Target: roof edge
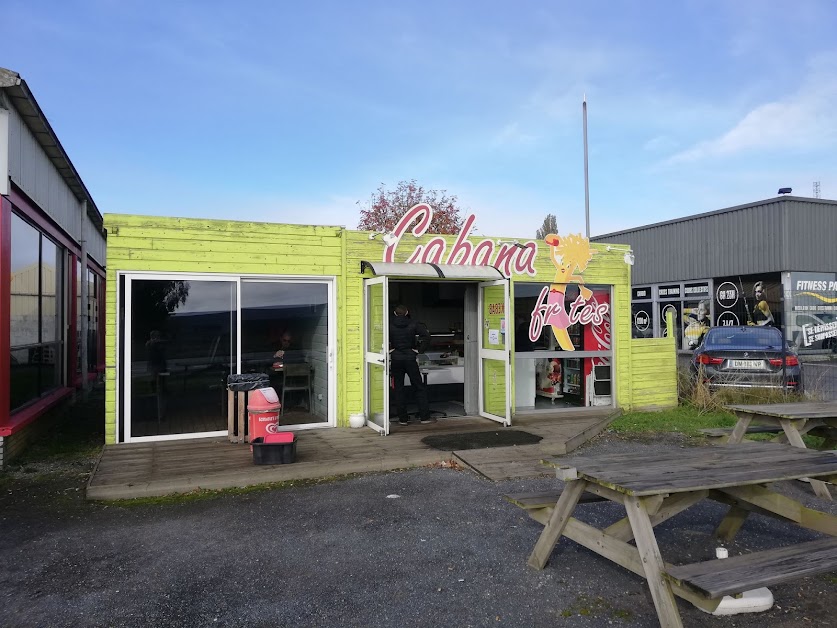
40,126
715,212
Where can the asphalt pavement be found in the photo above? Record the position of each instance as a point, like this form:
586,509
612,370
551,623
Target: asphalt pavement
425,547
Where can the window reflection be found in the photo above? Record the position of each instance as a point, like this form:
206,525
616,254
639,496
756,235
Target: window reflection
183,335
35,313
284,333
559,321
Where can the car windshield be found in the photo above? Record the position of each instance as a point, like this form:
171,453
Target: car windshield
743,338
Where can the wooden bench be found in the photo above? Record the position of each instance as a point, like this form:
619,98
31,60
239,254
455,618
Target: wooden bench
825,432
729,576
547,499
721,432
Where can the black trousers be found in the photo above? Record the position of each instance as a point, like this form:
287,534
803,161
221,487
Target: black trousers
407,365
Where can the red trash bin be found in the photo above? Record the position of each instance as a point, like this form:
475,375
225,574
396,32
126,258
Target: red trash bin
263,412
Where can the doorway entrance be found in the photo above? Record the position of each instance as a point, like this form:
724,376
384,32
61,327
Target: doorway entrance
465,365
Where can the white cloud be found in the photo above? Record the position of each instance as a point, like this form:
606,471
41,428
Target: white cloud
805,120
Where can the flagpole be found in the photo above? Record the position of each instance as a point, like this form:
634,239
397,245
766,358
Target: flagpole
586,185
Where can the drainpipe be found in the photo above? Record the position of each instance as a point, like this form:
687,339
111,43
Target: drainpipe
84,308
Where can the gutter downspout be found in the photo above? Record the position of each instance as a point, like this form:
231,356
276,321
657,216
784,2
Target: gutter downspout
84,307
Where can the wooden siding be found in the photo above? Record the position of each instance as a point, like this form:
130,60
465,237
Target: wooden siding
654,371
145,243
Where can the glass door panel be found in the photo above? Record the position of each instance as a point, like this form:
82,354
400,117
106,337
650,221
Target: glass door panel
495,368
376,351
285,334
182,346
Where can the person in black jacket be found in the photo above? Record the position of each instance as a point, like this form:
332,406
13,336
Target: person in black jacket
403,352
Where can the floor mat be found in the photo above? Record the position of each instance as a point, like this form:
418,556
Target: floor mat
480,440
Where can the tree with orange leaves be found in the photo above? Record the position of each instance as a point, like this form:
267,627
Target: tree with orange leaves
386,207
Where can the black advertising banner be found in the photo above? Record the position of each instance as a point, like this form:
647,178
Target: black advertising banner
748,300
813,323
642,316
668,292
696,290
641,294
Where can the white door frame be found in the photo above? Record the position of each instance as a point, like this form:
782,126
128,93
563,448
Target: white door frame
495,354
371,356
125,372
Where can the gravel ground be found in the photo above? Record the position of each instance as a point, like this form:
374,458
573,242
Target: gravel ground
426,547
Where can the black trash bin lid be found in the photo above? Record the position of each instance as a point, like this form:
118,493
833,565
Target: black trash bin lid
244,382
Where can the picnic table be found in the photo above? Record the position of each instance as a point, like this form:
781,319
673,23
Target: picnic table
653,488
789,421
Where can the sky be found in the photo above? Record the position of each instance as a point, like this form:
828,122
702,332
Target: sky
296,112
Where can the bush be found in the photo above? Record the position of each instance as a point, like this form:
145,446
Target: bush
694,391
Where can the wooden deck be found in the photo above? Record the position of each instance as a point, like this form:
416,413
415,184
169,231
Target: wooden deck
168,467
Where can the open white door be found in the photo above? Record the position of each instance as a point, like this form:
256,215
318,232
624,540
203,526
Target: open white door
495,356
376,351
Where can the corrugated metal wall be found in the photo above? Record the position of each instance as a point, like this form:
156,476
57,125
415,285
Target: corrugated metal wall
33,172
812,240
774,236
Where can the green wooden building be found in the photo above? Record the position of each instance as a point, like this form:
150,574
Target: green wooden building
515,326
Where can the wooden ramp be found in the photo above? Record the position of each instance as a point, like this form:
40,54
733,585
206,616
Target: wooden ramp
561,435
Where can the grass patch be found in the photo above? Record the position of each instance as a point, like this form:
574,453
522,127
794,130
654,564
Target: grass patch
684,419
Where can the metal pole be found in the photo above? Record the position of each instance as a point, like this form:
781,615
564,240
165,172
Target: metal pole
586,185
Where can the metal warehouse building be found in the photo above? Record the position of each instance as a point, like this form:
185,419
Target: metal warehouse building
772,262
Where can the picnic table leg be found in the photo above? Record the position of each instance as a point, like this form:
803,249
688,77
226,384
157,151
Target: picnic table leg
775,504
740,428
652,561
557,521
792,432
731,524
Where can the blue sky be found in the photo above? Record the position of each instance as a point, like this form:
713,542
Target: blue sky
292,112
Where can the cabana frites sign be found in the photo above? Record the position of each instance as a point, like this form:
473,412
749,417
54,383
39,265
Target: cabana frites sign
507,258
569,254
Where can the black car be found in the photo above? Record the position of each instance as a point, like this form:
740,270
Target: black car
747,357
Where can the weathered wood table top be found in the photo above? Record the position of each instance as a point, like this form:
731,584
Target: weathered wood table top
654,487
698,468
801,410
795,420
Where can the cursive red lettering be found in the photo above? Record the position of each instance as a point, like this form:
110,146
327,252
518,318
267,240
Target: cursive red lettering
504,258
421,212
433,251
462,245
482,253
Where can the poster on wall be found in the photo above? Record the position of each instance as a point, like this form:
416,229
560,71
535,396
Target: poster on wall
674,308
695,314
748,300
642,320
598,337
813,311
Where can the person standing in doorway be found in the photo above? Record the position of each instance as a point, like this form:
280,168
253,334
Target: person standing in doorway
405,335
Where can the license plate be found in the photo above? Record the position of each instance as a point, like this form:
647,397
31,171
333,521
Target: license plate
746,364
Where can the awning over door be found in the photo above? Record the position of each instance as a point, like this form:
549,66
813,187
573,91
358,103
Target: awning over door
432,271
